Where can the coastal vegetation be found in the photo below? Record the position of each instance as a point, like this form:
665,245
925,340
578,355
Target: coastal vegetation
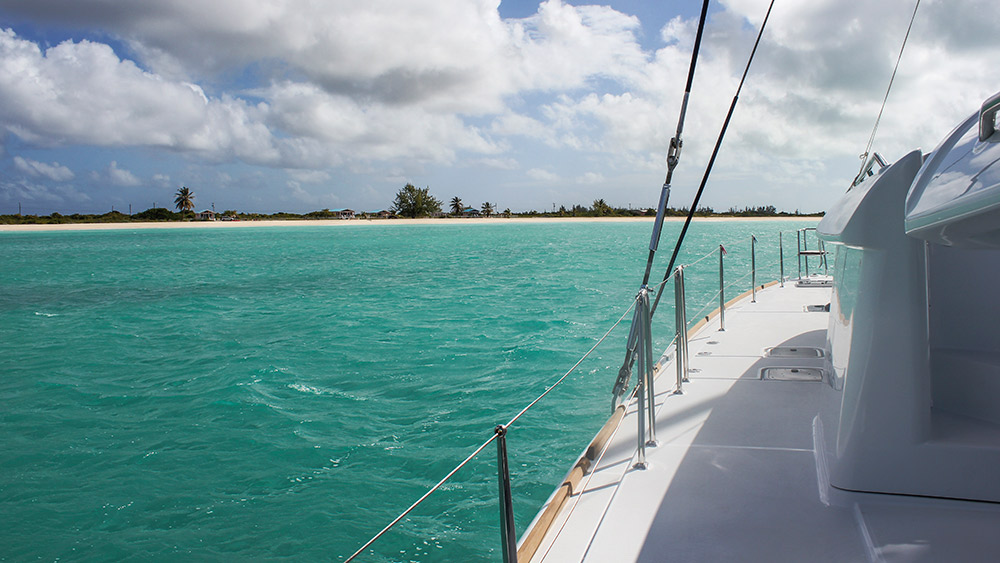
160,214
410,201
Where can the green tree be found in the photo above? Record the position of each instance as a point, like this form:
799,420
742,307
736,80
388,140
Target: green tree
184,200
456,205
156,214
488,209
412,201
600,208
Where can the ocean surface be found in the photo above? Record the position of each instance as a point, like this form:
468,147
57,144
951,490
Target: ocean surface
285,392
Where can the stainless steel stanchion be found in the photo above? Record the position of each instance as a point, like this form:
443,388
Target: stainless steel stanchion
781,259
722,291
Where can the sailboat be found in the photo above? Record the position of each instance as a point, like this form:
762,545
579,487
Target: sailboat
850,421
852,415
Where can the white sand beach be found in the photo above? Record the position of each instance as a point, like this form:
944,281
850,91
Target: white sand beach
358,222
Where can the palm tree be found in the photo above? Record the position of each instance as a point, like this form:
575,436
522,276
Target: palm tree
456,206
184,200
487,209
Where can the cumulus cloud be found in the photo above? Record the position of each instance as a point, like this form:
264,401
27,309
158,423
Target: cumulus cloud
83,93
299,193
590,178
31,191
824,66
396,85
496,163
309,176
813,91
383,79
120,176
161,180
345,128
514,124
456,54
55,171
394,78
543,175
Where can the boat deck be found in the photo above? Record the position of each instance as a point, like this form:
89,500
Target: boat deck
735,474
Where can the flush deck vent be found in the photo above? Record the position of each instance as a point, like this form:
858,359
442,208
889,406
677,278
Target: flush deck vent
792,374
794,352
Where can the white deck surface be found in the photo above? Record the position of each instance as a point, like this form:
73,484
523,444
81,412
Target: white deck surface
735,474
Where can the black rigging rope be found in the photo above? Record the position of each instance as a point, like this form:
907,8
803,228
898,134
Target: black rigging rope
711,162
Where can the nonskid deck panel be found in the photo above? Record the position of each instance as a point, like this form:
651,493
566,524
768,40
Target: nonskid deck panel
735,474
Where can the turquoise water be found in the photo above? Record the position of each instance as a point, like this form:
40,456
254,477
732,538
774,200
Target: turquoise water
256,393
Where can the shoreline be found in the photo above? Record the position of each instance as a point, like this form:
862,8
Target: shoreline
358,222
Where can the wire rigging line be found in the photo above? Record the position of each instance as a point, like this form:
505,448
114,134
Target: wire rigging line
674,151
871,139
711,161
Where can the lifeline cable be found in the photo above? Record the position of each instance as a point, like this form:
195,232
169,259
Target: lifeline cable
711,161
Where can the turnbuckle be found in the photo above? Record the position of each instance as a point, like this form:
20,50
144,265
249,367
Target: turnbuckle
674,152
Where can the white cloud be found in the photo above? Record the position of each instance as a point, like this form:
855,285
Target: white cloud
811,96
543,175
309,176
348,129
55,171
391,88
34,192
458,55
82,93
161,180
300,194
512,124
120,176
382,80
590,178
496,163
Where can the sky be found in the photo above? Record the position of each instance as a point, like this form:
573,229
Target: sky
300,105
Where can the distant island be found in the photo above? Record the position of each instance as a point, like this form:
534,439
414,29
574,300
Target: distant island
410,202
159,214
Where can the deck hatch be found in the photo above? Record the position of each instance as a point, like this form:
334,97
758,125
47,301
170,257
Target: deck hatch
794,352
792,374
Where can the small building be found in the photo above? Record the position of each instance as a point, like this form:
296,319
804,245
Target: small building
206,215
470,212
381,214
343,213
